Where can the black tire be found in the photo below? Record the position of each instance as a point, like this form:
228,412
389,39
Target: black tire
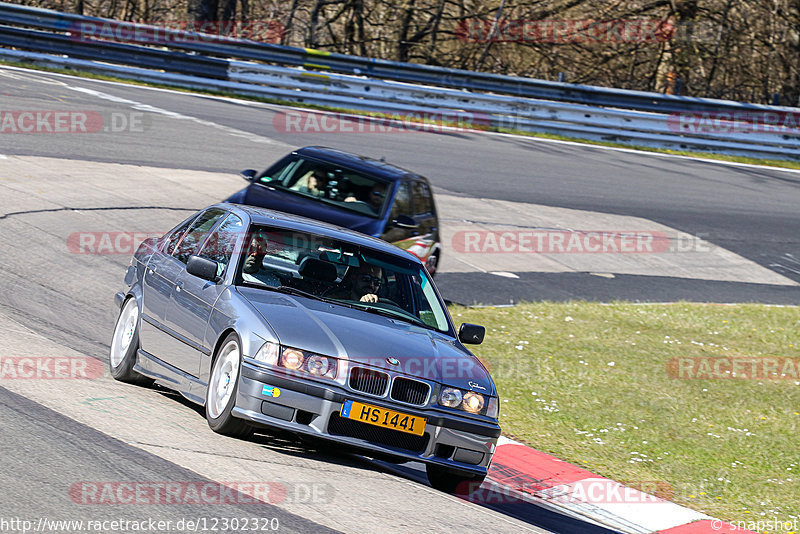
432,263
125,344
225,365
447,481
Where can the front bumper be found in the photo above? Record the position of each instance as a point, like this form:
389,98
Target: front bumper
458,444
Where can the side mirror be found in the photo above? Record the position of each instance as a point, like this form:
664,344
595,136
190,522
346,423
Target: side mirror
471,333
202,268
248,174
404,221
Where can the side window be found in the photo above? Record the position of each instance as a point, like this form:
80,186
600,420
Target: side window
172,238
281,171
196,234
422,198
402,201
222,242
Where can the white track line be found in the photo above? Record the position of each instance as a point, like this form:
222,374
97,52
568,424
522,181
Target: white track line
477,132
139,106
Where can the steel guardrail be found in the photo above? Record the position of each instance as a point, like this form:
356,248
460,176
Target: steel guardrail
389,70
203,64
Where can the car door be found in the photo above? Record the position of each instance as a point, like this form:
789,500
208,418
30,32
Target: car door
170,345
159,280
398,233
193,298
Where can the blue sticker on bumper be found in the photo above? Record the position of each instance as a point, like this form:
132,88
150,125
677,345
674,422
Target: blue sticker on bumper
346,408
270,391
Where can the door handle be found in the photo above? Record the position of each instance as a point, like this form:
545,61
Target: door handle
179,286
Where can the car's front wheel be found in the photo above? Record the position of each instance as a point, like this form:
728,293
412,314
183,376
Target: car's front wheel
125,344
445,480
222,387
432,263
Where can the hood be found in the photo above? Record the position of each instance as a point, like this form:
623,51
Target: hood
257,195
369,339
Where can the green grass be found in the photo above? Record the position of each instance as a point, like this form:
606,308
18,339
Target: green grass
588,383
788,164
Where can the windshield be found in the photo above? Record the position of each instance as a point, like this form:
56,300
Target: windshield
330,184
327,269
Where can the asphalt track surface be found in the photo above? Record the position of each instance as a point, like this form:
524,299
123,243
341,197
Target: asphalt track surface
53,452
750,211
65,302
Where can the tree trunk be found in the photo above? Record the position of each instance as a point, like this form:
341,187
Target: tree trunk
405,28
358,13
311,41
676,59
228,13
791,84
437,20
715,57
202,11
287,27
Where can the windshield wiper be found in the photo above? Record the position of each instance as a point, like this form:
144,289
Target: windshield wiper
392,313
298,292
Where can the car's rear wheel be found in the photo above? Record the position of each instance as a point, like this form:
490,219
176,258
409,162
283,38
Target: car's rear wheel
222,388
125,344
445,480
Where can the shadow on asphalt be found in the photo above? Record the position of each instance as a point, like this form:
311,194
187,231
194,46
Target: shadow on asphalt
499,499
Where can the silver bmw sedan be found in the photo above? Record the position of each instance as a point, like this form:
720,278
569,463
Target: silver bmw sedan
277,321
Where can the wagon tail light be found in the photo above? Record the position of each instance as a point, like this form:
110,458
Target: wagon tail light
297,361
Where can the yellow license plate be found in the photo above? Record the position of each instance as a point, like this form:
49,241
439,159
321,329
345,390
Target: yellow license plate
366,413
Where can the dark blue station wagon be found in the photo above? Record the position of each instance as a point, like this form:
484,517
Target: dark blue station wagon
367,195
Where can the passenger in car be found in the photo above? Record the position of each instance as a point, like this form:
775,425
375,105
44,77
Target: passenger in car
314,183
253,270
376,196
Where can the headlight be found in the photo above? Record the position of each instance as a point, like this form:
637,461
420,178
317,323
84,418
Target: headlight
321,366
297,360
291,359
450,397
473,402
469,401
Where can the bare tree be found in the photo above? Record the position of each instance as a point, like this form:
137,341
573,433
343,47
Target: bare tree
202,11
736,49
